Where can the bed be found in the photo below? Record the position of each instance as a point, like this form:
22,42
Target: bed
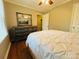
54,44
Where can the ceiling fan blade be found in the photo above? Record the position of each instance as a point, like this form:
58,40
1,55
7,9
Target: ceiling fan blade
50,2
40,3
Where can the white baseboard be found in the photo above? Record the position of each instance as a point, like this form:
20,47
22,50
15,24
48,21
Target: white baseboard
6,55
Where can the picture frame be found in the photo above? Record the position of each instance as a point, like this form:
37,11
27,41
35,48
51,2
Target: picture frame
24,19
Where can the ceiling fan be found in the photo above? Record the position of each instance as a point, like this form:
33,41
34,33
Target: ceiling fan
50,2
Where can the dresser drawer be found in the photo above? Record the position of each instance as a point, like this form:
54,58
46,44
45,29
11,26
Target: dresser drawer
20,33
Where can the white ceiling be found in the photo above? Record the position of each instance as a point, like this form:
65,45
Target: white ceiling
33,4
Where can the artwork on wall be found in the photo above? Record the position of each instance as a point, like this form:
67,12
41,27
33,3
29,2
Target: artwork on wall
24,19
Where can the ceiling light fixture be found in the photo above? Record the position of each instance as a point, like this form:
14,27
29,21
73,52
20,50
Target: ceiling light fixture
50,2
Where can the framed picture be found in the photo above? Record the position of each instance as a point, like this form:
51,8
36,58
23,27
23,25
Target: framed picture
24,19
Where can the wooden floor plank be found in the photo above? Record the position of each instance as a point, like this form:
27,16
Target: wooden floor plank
19,50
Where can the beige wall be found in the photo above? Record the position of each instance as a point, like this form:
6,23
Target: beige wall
11,10
60,17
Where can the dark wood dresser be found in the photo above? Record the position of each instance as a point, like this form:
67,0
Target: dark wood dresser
21,33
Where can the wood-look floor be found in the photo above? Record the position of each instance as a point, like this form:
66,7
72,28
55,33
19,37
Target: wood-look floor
19,50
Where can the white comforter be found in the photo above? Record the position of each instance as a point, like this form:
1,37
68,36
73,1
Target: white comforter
53,44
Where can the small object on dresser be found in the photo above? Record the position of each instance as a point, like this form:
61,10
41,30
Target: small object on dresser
21,32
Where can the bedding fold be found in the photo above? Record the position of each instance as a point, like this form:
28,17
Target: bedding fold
53,44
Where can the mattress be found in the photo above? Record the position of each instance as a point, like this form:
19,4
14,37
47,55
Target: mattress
54,44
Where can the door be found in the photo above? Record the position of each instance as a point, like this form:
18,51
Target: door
45,21
39,22
75,18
